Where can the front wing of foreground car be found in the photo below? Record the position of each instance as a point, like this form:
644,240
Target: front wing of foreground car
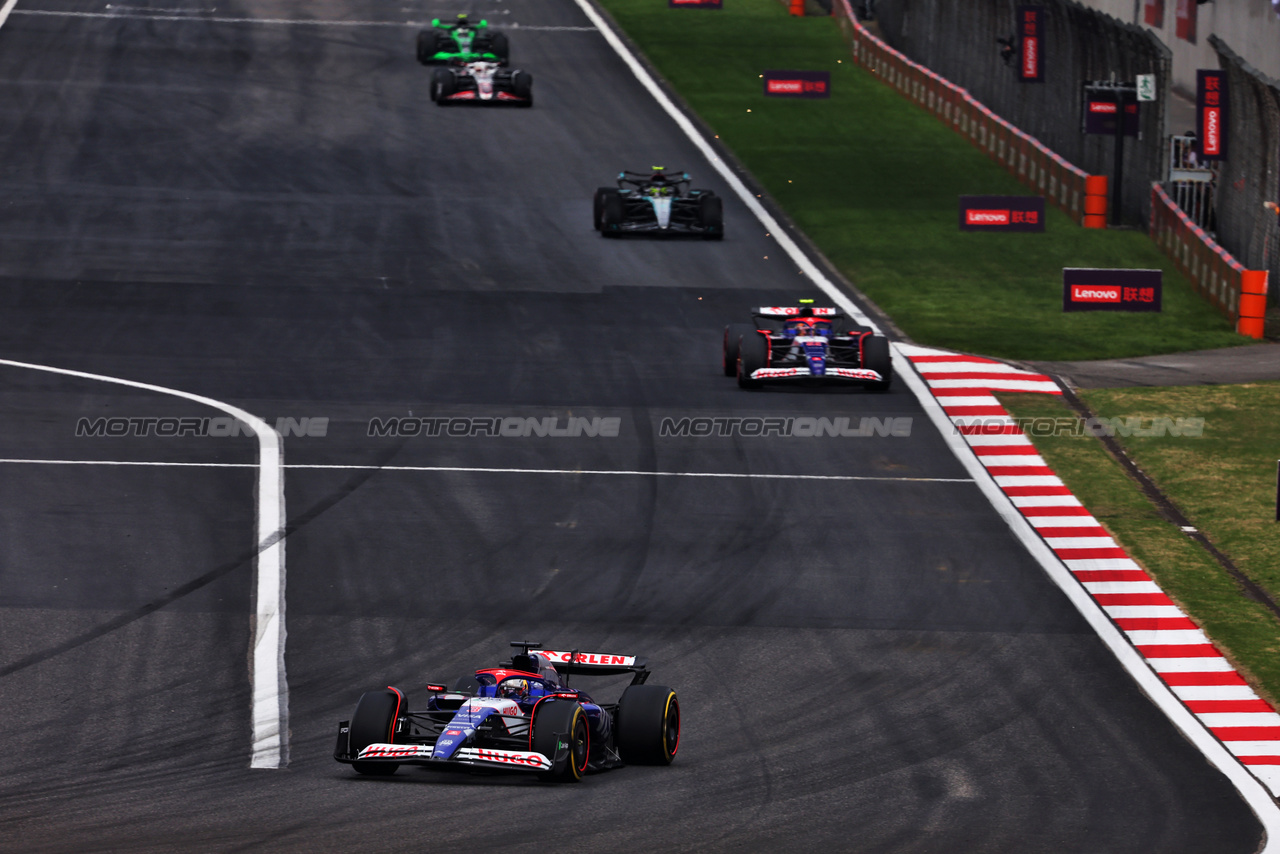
464,758
800,373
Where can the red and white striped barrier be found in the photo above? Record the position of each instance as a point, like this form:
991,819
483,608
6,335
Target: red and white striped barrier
1166,638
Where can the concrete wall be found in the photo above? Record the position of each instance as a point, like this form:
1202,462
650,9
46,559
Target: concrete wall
1251,28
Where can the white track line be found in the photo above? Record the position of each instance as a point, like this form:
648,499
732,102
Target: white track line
305,22
270,711
495,470
1249,786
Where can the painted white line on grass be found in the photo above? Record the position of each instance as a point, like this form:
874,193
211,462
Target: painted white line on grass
498,470
270,712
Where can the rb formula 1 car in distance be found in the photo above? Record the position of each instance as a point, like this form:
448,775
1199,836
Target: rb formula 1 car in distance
520,716
481,82
657,203
462,41
805,344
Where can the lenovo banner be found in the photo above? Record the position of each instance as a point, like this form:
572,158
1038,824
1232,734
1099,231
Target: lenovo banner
695,4
1088,289
1031,44
1002,213
1101,103
798,84
1211,115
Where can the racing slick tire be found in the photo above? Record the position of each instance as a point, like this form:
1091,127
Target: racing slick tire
522,87
597,207
500,47
753,354
875,355
648,725
711,216
426,46
374,722
732,336
612,214
553,721
443,84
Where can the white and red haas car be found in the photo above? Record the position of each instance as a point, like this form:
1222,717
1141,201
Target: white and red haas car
482,82
519,716
805,344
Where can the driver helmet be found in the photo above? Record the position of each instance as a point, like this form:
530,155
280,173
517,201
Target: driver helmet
803,328
515,689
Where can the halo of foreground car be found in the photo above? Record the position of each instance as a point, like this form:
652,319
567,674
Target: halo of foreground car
657,202
805,344
461,42
478,82
521,716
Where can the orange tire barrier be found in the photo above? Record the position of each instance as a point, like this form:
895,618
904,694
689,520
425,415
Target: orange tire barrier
1095,201
1253,303
797,7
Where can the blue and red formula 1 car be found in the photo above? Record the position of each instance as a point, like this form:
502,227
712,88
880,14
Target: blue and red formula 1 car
805,344
519,716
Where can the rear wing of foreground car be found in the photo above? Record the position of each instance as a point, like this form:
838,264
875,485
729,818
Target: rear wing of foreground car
785,311
597,664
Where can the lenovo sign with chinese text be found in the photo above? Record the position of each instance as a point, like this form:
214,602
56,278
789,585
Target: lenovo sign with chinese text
1002,213
1031,44
798,84
1101,103
695,4
1211,115
1088,289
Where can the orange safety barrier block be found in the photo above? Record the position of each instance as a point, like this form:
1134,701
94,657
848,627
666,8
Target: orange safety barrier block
1095,201
1253,303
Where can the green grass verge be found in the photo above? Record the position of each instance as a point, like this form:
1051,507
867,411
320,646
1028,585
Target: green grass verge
1223,481
874,181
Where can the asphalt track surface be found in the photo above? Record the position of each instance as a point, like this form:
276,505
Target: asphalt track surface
274,215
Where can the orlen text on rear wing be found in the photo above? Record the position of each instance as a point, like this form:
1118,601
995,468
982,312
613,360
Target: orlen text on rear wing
783,311
597,664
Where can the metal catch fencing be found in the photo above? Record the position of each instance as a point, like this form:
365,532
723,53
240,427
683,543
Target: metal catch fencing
1250,176
962,41
1081,196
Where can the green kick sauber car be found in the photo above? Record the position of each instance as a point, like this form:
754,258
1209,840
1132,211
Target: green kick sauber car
461,42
